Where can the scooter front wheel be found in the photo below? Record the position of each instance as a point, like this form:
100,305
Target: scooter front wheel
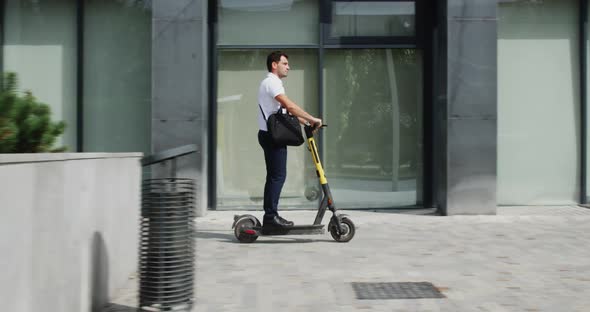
240,228
347,233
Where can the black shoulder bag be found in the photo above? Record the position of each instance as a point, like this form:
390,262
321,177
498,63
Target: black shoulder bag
283,128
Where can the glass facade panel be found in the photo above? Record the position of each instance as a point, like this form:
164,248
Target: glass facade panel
40,47
257,22
538,102
117,76
352,19
240,161
373,145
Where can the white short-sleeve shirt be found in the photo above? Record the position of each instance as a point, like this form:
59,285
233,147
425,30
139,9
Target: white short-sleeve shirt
270,87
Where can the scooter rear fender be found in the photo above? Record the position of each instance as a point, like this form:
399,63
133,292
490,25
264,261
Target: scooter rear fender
237,218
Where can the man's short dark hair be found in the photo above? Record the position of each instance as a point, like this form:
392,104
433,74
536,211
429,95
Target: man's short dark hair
274,57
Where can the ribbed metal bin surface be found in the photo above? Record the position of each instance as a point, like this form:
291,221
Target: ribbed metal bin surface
166,247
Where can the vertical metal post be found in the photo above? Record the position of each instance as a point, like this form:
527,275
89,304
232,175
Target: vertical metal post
2,26
322,22
428,42
212,159
583,98
80,76
173,168
439,109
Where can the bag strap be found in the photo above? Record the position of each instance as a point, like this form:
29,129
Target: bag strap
263,115
262,112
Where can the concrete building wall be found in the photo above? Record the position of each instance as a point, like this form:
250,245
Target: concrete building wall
465,109
179,88
68,229
468,118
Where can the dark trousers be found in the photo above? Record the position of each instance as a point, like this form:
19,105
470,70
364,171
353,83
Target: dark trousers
276,172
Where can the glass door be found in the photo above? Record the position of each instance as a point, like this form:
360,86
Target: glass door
373,145
358,65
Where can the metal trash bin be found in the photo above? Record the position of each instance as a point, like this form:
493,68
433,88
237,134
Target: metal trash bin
166,248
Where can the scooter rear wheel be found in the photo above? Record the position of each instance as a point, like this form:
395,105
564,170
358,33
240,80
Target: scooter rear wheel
239,229
347,234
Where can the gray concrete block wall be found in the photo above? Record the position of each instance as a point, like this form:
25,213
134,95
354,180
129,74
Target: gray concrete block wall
470,118
69,229
179,88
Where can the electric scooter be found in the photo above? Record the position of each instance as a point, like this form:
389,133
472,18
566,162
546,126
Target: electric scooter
247,228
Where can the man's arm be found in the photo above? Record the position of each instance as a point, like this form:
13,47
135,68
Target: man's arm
294,109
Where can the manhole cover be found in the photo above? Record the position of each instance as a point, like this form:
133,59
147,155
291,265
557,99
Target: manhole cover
377,291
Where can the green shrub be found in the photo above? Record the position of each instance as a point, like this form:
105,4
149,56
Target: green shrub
25,123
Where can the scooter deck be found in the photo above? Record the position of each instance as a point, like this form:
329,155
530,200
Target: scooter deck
291,230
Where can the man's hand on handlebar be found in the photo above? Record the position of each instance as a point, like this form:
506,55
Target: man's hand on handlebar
317,124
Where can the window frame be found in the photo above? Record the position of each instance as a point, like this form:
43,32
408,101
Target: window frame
326,25
421,40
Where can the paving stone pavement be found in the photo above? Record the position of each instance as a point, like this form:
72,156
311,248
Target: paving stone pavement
523,259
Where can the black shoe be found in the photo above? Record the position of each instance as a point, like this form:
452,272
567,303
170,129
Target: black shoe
286,222
273,222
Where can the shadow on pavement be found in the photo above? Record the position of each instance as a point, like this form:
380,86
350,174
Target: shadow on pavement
99,281
222,235
288,240
407,211
113,307
229,237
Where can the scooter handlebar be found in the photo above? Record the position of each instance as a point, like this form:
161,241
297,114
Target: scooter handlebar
309,129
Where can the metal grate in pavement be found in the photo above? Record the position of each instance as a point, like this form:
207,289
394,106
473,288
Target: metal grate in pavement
405,290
